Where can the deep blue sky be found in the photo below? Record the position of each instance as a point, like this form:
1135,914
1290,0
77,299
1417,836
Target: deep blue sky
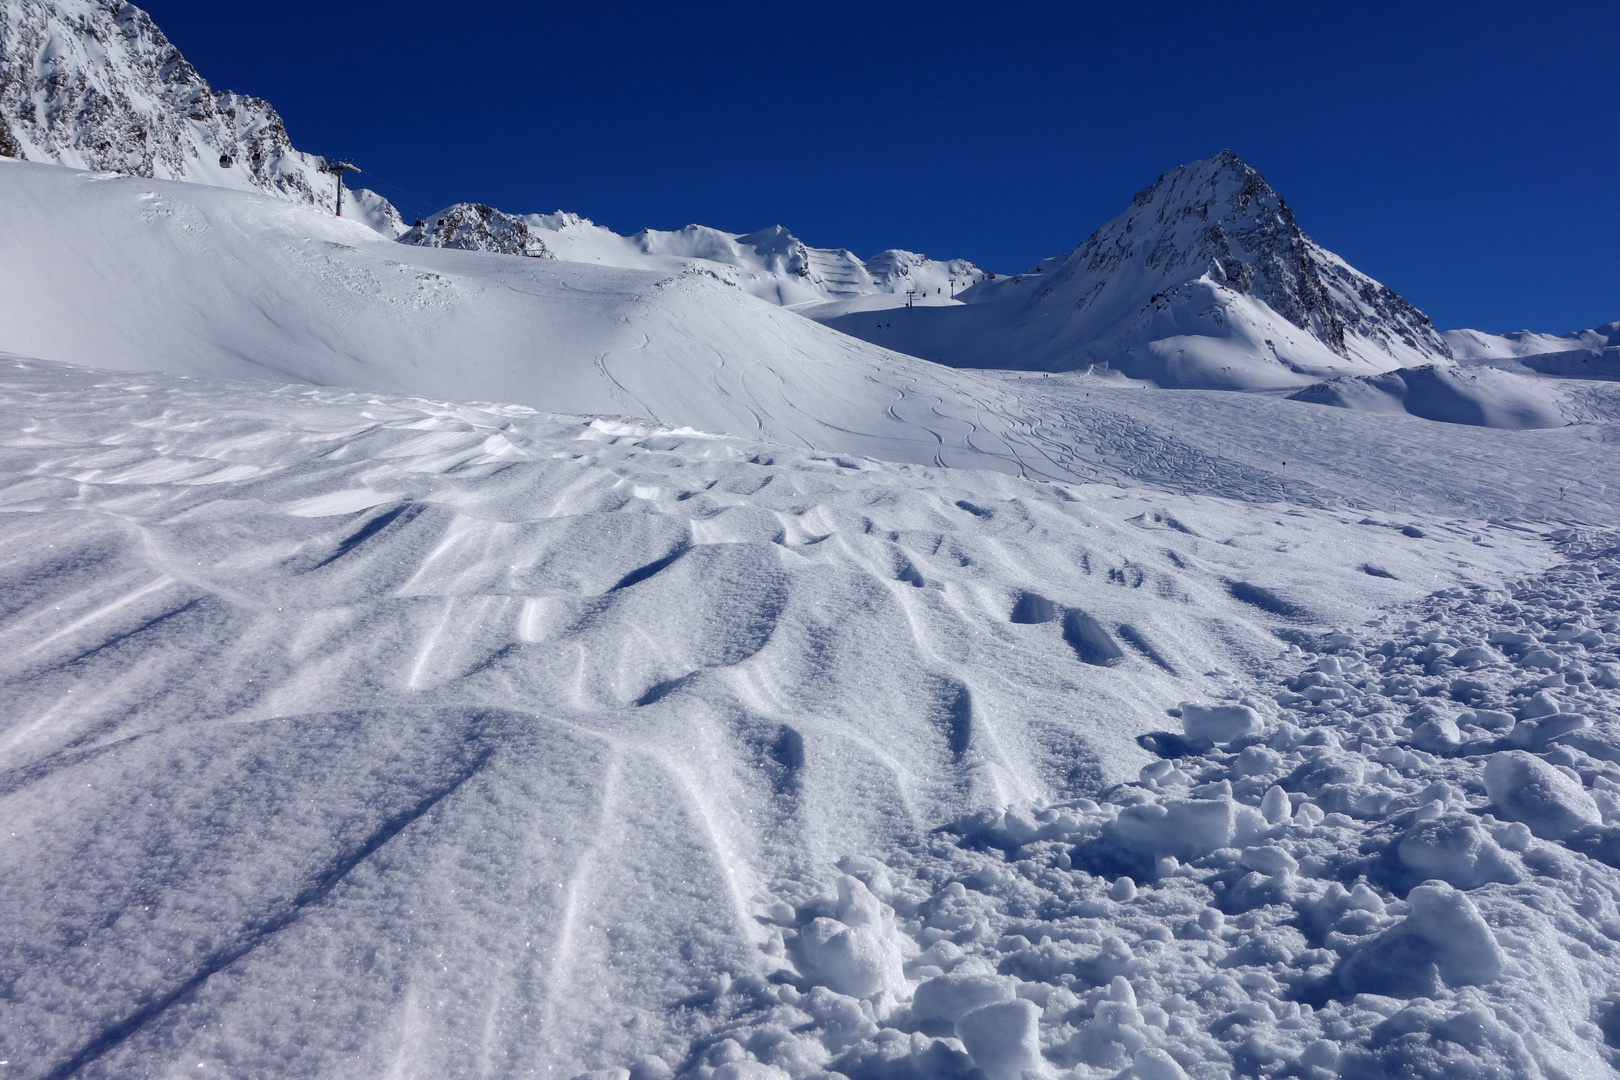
1468,155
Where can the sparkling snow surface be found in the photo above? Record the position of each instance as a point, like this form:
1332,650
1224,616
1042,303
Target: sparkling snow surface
1168,733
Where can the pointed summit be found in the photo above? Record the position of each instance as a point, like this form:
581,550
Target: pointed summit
1218,218
1206,279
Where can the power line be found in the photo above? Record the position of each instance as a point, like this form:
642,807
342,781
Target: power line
421,202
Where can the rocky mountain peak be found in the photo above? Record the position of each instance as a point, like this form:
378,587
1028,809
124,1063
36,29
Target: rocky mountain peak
95,84
476,227
1218,218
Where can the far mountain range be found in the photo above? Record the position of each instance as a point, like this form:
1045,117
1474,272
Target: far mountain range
1205,280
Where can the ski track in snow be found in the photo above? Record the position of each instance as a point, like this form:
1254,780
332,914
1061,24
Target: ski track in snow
353,734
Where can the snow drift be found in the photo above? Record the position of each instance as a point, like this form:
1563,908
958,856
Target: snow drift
1450,393
204,281
356,735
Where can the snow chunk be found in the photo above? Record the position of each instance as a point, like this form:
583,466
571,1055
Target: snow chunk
1443,939
1003,1039
1186,829
1455,850
1218,723
853,954
952,996
1525,788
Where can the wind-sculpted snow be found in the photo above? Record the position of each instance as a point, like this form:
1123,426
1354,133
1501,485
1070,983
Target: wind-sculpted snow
351,735
1205,281
1394,855
144,275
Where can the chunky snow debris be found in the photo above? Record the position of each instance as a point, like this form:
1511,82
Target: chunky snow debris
1321,896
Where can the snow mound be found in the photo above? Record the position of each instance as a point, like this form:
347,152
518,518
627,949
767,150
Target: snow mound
1453,394
202,281
1206,280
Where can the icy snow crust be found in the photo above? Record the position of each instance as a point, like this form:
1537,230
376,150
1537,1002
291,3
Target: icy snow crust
356,735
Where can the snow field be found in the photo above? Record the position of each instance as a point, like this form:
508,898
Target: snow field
352,735
1401,863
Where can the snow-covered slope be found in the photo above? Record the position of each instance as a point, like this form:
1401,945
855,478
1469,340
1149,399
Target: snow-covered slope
132,273
94,84
1206,280
1478,345
136,274
771,264
1585,354
1450,393
350,735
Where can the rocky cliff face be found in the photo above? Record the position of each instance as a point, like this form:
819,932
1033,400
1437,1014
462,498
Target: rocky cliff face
1206,280
1219,219
94,84
476,227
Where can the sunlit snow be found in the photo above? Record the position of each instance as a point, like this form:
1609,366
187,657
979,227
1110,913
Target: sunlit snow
529,651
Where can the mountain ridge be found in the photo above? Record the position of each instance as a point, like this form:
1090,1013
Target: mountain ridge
1206,279
95,84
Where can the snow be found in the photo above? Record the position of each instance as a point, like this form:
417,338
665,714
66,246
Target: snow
423,660
1449,393
771,264
371,733
94,85
1478,345
1204,281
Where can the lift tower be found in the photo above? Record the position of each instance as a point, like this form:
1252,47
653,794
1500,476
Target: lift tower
337,167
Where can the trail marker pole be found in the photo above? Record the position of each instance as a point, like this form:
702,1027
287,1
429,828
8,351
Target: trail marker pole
337,167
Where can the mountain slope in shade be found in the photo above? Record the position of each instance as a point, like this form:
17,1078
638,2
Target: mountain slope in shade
1205,280
95,84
